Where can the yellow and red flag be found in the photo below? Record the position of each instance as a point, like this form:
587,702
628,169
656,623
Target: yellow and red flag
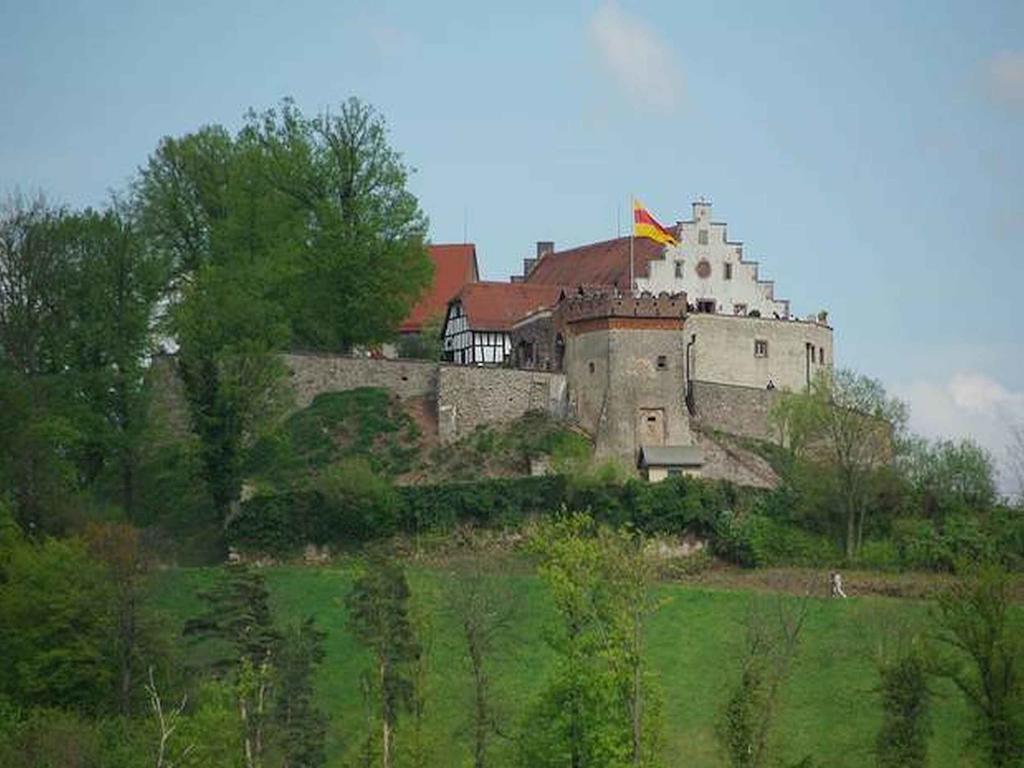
645,225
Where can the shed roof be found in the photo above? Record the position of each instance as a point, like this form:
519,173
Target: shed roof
671,456
454,266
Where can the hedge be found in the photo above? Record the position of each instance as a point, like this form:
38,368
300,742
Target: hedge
283,522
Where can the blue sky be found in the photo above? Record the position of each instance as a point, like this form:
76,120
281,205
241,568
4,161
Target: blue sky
870,155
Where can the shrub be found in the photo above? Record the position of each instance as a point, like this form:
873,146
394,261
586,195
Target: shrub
754,540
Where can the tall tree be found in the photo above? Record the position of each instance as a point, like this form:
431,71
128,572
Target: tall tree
987,661
772,640
841,431
296,231
378,608
299,722
597,709
484,609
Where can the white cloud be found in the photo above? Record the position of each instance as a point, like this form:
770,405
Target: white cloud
1005,74
969,404
638,58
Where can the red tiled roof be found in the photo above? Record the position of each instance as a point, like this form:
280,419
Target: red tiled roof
454,267
597,264
497,306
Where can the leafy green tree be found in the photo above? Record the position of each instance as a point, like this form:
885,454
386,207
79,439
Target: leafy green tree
378,608
597,708
56,631
841,433
950,477
365,234
117,282
986,662
297,231
77,293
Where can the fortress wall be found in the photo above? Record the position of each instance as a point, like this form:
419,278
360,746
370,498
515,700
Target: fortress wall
724,350
735,409
469,396
313,374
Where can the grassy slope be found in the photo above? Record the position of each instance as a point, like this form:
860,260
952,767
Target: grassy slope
829,707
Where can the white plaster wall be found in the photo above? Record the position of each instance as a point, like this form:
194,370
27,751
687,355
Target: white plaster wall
724,350
743,288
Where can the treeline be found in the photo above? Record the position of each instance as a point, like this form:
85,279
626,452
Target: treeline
226,248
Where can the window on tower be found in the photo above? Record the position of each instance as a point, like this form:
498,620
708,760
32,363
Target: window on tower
679,268
728,270
702,237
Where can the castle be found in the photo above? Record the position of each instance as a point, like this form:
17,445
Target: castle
700,340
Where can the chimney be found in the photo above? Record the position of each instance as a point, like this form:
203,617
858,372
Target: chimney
528,265
545,247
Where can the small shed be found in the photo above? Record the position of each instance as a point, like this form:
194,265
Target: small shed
661,461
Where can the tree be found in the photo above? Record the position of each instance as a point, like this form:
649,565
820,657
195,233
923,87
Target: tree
378,608
117,283
902,740
483,608
772,642
117,547
987,661
841,432
597,708
236,623
950,477
56,631
77,292
299,723
365,236
296,231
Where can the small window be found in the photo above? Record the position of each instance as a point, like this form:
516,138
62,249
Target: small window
662,362
707,306
675,472
739,309
728,270
590,366
652,419
702,237
821,355
760,348
679,268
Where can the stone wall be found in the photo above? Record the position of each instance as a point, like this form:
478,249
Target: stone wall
737,410
627,388
725,351
470,396
313,374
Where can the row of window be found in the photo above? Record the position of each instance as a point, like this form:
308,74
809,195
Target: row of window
761,350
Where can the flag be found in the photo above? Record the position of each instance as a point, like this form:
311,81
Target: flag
645,225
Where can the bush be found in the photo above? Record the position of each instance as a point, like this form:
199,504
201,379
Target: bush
755,540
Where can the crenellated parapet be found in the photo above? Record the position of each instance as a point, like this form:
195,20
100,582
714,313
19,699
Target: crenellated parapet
597,305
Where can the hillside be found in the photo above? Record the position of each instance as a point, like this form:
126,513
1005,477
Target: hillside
829,706
398,438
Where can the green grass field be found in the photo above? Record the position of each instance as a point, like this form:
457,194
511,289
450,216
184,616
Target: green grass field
829,707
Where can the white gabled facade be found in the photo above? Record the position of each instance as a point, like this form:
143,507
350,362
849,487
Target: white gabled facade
466,346
712,272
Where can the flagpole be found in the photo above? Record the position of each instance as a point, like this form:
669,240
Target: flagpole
632,229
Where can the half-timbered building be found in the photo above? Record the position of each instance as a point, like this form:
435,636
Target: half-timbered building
478,326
